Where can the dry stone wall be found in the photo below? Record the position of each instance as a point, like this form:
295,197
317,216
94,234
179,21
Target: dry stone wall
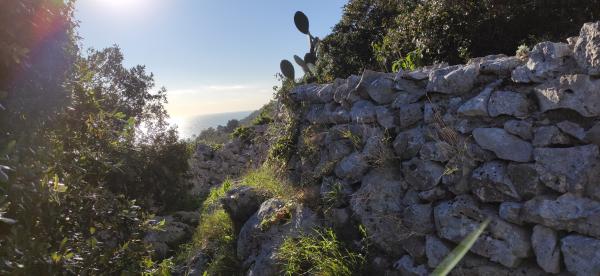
420,158
210,166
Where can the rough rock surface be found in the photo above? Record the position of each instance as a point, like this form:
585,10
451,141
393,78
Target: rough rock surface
508,103
587,48
567,212
492,184
545,136
520,128
456,79
576,92
581,255
545,245
545,61
167,238
572,169
420,158
257,243
240,203
407,266
503,242
506,146
379,207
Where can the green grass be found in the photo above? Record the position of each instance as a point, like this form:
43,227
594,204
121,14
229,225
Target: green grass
214,235
355,139
318,254
266,181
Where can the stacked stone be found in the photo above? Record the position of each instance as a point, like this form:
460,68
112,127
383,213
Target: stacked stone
209,167
511,139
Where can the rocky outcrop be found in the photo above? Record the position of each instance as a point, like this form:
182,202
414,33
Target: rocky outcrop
264,232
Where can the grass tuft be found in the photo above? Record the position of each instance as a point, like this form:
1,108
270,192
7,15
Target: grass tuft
318,254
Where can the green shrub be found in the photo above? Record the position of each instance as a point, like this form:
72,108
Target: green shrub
265,116
443,30
243,133
318,254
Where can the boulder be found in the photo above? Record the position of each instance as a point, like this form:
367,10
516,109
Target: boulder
407,267
574,92
422,174
378,205
511,212
436,151
501,66
339,149
381,90
352,167
344,93
568,212
409,114
408,92
264,232
432,195
415,245
546,60
520,128
546,248
385,117
572,129
366,80
574,169
168,237
325,94
363,112
478,105
240,203
502,242
338,116
549,136
592,135
419,218
587,48
457,79
408,143
581,255
506,146
436,250
525,179
508,103
490,183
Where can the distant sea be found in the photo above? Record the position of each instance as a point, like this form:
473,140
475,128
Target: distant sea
189,127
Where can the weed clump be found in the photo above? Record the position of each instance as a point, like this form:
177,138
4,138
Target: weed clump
318,254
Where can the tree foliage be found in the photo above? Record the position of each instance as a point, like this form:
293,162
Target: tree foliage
374,34
85,150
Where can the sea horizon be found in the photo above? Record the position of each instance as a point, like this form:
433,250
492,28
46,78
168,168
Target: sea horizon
191,126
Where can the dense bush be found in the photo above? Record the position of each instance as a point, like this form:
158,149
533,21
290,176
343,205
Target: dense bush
84,151
373,34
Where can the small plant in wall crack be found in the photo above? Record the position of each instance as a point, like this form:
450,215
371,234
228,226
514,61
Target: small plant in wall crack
281,215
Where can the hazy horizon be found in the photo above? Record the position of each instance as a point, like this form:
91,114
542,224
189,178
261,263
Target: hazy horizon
190,126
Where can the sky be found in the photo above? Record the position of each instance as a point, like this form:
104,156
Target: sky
213,56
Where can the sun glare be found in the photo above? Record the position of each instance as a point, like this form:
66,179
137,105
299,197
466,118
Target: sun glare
127,7
124,4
